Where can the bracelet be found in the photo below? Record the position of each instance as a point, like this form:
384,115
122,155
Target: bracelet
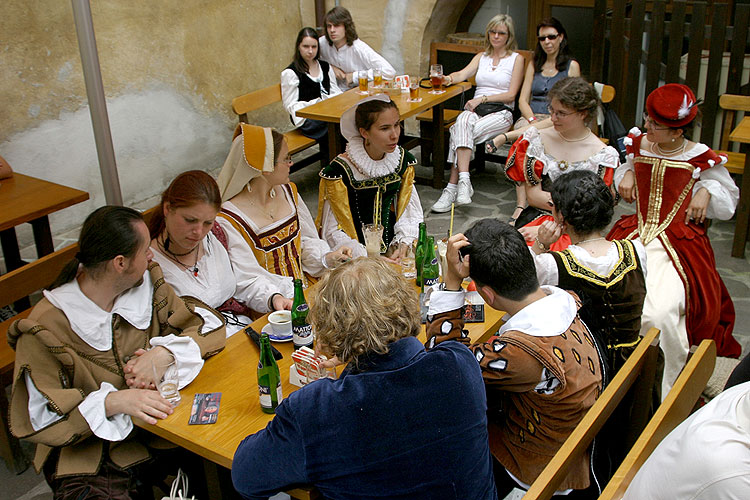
505,136
484,99
541,245
451,80
532,119
270,301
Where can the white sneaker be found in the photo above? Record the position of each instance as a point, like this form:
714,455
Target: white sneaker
447,198
465,192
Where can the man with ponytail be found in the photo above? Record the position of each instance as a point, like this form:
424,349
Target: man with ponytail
84,359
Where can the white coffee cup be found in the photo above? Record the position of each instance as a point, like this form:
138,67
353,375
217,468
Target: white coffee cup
281,323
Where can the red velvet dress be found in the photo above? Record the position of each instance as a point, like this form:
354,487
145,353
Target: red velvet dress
528,162
664,189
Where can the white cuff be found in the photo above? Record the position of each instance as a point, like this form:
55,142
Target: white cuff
186,353
115,428
443,301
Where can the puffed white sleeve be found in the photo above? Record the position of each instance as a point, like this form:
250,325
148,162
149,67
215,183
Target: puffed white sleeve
622,170
255,285
335,236
546,268
724,192
314,249
373,60
290,96
406,229
93,410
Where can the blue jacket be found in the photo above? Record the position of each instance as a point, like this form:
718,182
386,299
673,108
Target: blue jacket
406,425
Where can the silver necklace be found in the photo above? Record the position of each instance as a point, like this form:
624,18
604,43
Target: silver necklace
588,240
271,194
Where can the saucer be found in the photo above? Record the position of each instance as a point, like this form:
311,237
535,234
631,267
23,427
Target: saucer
267,329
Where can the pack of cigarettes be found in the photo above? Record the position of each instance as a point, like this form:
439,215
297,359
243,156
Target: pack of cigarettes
306,367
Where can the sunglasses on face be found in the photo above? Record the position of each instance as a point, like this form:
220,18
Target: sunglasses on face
499,33
548,37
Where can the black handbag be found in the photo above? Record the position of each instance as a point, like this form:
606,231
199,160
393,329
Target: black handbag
487,108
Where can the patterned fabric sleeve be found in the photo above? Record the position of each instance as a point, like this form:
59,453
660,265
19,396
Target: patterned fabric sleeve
522,167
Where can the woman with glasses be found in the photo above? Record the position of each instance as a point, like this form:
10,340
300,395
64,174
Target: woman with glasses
553,62
539,157
677,184
498,72
264,223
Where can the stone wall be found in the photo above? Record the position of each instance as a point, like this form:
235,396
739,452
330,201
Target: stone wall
170,70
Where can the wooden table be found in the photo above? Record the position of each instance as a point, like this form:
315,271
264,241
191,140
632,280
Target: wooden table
28,199
330,111
233,373
741,134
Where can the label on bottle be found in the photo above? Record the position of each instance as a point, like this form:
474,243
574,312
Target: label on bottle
302,307
265,395
433,262
302,335
430,281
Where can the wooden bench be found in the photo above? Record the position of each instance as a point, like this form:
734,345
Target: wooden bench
731,104
637,372
677,406
297,142
15,285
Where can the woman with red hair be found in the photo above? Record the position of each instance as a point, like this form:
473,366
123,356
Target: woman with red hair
677,184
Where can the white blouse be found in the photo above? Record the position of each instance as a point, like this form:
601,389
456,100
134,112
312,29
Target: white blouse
355,58
546,267
494,81
290,91
405,230
724,192
248,271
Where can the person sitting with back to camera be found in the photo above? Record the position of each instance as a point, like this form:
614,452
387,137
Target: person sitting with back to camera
82,369
540,157
373,176
542,371
348,55
399,423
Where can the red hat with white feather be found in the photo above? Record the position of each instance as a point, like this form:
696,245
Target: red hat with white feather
672,105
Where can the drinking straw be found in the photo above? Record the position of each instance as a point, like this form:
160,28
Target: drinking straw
376,212
450,230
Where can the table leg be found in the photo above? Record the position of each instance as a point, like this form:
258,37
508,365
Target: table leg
335,142
42,236
9,244
438,147
219,482
743,211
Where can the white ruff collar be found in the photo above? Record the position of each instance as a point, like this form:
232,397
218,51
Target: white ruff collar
93,324
366,166
546,317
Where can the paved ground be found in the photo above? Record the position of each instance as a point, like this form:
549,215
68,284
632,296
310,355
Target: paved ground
494,197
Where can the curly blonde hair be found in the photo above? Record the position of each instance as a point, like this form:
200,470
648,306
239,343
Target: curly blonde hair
361,307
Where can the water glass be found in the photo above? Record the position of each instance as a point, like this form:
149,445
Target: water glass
167,384
408,267
373,234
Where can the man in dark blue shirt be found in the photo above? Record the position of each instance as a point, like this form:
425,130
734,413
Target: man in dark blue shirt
400,423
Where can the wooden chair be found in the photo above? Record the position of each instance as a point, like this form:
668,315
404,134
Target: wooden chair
677,406
731,104
640,362
297,142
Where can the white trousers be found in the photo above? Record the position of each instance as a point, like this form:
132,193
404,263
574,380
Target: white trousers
471,129
664,308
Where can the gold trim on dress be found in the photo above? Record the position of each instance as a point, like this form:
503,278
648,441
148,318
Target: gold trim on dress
626,262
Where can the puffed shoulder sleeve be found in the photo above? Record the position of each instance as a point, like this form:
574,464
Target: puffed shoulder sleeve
522,165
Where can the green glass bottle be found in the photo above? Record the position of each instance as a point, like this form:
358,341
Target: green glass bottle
269,379
419,251
301,329
430,268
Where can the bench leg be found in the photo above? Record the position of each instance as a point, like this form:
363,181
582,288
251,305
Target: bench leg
743,211
425,136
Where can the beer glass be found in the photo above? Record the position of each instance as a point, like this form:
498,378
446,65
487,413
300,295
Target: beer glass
167,384
373,234
414,89
436,79
377,78
363,83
